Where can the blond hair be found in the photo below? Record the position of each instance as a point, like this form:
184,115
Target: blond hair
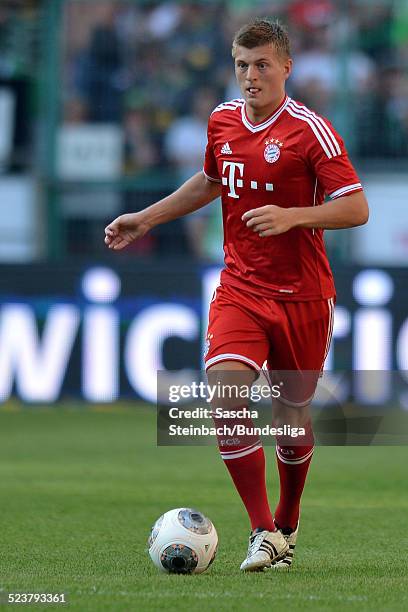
263,32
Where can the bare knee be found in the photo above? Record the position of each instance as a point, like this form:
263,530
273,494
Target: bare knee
232,381
295,416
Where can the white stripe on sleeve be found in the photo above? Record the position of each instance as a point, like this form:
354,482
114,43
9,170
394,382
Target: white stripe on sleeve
344,190
317,131
210,178
327,132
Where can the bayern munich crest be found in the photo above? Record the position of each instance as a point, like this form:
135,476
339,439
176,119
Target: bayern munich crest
272,150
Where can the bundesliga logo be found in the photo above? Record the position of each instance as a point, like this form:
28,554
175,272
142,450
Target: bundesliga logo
272,150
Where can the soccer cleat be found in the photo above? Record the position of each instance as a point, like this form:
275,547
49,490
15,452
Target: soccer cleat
265,547
286,562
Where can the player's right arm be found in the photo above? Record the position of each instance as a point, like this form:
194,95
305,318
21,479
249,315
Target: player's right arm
192,195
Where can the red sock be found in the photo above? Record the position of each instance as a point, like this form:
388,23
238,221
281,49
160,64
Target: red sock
245,460
248,474
293,464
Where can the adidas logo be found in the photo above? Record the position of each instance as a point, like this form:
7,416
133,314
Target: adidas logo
226,149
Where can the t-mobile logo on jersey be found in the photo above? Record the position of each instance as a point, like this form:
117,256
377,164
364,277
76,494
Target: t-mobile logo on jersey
233,182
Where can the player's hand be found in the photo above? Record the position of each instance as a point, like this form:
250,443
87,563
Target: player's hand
125,229
270,220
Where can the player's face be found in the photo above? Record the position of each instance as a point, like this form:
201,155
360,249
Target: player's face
261,74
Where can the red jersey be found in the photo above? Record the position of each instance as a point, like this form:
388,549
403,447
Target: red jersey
293,158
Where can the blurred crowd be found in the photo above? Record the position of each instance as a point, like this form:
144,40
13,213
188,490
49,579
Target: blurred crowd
157,69
19,53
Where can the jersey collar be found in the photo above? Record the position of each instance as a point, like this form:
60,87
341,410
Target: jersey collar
258,127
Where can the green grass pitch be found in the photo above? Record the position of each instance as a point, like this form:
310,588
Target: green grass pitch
80,489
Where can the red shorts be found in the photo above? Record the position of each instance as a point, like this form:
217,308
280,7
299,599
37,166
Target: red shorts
276,335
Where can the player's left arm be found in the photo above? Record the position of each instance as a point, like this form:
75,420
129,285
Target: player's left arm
323,151
348,211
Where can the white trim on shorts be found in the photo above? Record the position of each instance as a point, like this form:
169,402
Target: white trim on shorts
330,302
232,357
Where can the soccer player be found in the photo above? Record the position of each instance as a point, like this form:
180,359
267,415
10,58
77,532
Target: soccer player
273,161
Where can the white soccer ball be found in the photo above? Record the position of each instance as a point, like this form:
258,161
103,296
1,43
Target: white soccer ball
183,541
